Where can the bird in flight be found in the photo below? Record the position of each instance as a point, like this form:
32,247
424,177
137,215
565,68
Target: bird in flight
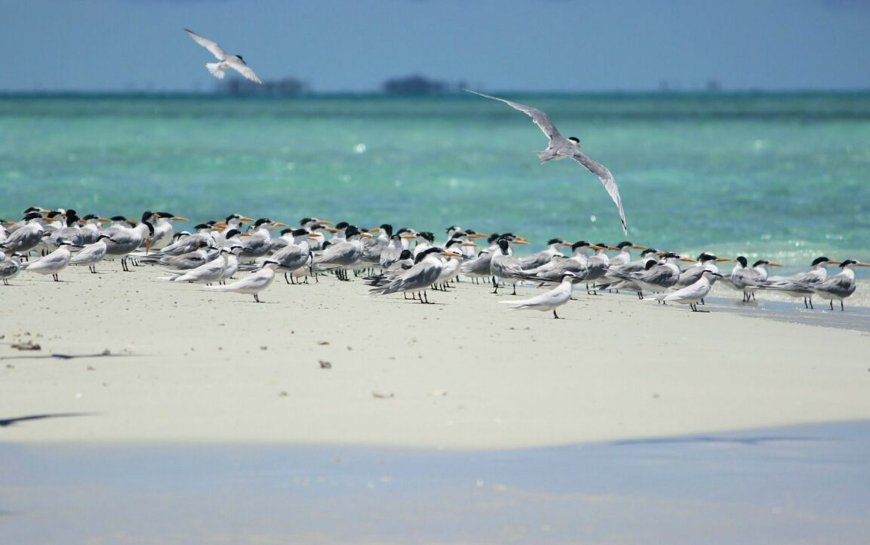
563,148
217,69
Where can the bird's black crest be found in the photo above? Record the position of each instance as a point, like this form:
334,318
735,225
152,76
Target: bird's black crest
426,252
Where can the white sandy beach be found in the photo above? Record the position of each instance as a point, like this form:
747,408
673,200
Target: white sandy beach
188,365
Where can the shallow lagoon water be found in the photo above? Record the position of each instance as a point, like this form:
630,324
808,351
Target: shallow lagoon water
806,484
781,176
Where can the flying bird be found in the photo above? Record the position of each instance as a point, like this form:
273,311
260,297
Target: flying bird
563,148
217,69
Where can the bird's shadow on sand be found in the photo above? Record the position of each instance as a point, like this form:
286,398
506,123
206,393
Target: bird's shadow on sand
7,422
706,439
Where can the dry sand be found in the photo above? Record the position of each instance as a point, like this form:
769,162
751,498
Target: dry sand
188,365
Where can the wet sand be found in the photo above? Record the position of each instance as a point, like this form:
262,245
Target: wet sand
805,484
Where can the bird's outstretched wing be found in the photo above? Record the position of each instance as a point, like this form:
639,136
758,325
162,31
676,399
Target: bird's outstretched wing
607,179
538,117
244,70
213,47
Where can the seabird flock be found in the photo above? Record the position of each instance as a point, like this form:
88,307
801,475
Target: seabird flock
389,261
402,261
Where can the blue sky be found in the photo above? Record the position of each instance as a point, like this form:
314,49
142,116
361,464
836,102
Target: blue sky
526,45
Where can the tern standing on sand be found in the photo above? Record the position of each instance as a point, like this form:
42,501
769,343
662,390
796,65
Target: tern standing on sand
53,263
563,148
550,300
217,69
694,293
252,284
9,268
841,285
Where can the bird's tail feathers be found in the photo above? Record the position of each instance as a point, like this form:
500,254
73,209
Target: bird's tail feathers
215,69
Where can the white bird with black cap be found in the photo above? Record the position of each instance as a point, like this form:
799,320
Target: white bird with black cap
841,285
550,300
252,284
225,60
560,147
692,294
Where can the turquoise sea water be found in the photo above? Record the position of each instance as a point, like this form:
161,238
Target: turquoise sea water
781,176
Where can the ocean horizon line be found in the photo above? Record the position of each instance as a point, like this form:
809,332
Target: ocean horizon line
676,93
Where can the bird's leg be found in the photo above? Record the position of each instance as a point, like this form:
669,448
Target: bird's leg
811,302
556,316
515,289
256,298
640,295
832,304
286,279
842,308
